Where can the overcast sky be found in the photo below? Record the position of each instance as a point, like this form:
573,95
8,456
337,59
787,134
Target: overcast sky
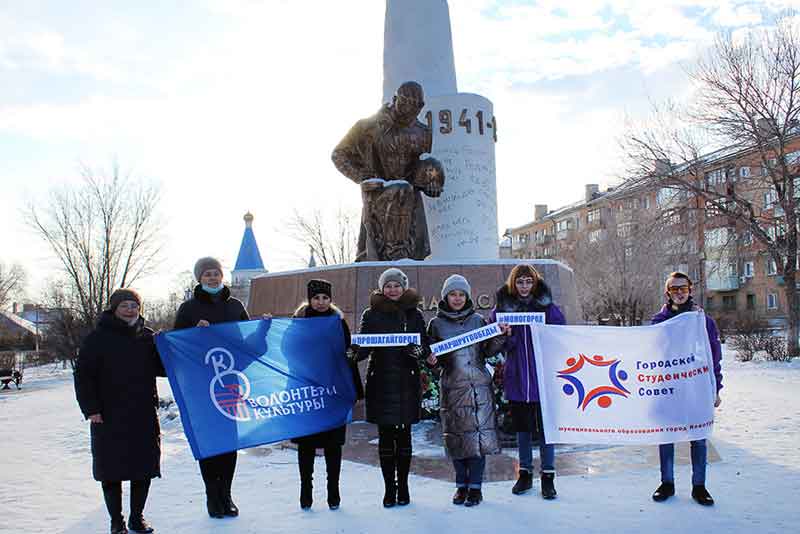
235,105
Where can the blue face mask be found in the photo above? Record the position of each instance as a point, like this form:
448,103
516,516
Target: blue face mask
212,290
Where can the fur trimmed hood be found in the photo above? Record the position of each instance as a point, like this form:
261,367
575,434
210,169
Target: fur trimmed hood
542,297
408,300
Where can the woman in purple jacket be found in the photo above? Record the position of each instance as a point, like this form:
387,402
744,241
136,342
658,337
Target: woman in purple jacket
678,290
525,292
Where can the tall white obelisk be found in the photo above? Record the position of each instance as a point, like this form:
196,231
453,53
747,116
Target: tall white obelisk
418,46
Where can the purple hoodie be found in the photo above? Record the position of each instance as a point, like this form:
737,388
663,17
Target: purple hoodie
713,338
519,376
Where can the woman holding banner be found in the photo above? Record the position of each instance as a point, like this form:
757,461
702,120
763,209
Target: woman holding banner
526,292
393,383
115,383
678,292
212,303
466,405
319,304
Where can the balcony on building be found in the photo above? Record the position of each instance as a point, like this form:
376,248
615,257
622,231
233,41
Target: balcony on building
722,283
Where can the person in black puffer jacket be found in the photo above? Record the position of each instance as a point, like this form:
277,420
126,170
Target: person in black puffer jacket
212,303
393,383
320,293
115,385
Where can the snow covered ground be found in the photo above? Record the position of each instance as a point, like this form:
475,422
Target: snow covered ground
46,484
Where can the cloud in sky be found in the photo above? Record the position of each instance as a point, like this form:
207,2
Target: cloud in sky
236,105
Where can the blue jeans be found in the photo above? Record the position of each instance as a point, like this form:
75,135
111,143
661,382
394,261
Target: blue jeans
469,472
547,453
699,450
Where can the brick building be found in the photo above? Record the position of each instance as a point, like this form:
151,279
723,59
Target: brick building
734,275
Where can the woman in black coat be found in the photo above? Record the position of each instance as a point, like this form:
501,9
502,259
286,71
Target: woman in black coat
212,303
115,384
320,293
393,383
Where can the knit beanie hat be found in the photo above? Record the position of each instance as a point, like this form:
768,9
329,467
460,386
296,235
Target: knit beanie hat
317,286
456,282
121,295
204,264
393,275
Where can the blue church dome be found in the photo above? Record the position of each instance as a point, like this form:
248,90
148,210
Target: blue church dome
249,256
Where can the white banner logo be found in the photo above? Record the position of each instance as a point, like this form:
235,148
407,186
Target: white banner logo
229,395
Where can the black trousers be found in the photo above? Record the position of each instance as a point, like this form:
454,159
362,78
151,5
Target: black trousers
112,494
219,468
394,450
333,463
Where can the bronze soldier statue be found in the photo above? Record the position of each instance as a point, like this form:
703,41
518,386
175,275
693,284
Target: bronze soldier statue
382,154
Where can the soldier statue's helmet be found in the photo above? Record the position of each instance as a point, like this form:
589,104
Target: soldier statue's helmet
429,176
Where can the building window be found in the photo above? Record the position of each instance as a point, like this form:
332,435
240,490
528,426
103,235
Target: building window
563,225
772,268
772,301
748,269
751,301
715,177
747,238
710,303
646,203
593,216
744,172
770,197
729,302
594,236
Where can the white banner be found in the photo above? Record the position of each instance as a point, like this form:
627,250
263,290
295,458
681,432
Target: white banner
520,318
385,340
464,340
632,385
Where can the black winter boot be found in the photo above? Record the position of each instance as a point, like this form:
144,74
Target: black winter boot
474,497
214,503
460,496
387,470
524,482
305,461
701,496
664,491
136,522
139,524
229,507
112,494
403,467
306,494
548,486
333,467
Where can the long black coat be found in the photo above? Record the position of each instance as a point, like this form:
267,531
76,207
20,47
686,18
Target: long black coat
393,382
115,376
220,308
335,436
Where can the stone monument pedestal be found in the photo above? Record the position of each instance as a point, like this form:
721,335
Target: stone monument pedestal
280,293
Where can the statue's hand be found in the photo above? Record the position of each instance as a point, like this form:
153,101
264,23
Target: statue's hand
433,190
372,184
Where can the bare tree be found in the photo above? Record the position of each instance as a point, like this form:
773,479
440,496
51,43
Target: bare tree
332,240
744,112
12,283
104,232
621,269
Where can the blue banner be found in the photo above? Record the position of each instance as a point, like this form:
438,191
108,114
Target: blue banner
244,384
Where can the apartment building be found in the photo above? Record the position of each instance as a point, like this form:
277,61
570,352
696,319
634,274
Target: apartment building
734,275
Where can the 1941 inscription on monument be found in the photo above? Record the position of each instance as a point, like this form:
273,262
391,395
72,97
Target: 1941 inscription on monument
463,221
